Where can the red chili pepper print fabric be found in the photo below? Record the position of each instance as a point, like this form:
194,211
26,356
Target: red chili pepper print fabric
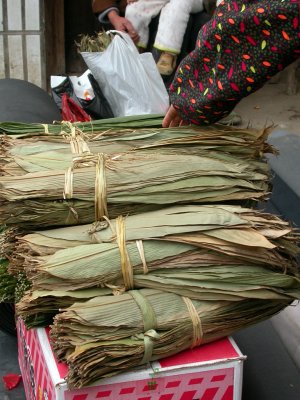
237,51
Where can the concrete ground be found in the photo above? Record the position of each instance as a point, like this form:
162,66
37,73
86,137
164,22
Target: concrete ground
272,106
9,364
270,372
273,347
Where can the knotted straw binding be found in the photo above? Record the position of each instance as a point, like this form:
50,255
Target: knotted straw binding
68,194
196,321
150,324
46,128
76,138
100,182
126,267
100,189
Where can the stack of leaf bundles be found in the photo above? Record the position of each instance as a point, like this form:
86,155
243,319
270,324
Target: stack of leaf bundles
41,148
216,252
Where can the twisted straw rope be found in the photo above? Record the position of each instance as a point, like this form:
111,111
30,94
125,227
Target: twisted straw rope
100,182
196,321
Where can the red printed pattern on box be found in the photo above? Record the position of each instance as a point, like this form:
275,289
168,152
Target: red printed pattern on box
216,383
37,381
206,385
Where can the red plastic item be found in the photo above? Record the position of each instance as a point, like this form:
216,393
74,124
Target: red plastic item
11,380
71,111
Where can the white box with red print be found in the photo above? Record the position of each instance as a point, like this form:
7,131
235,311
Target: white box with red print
209,372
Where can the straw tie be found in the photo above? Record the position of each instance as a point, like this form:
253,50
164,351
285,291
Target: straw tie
76,138
46,128
100,182
140,247
150,324
100,188
126,266
68,194
196,321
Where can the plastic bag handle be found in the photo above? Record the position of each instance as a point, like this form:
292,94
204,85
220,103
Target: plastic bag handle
126,38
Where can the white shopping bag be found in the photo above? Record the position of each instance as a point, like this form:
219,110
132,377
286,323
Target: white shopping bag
130,81
82,86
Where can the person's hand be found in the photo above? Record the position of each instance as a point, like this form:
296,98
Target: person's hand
172,118
123,24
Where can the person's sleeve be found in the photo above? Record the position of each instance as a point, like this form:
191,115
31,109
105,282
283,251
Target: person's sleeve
237,51
103,17
99,6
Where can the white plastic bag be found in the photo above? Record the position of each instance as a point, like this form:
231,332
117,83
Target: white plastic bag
130,81
82,86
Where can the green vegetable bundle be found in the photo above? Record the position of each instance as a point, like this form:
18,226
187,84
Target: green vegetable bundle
110,334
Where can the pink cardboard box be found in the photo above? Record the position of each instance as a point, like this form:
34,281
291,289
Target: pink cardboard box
211,372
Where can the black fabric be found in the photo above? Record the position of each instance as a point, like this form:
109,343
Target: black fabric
64,87
97,108
7,318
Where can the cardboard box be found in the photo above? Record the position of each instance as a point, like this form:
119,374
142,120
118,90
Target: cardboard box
209,372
